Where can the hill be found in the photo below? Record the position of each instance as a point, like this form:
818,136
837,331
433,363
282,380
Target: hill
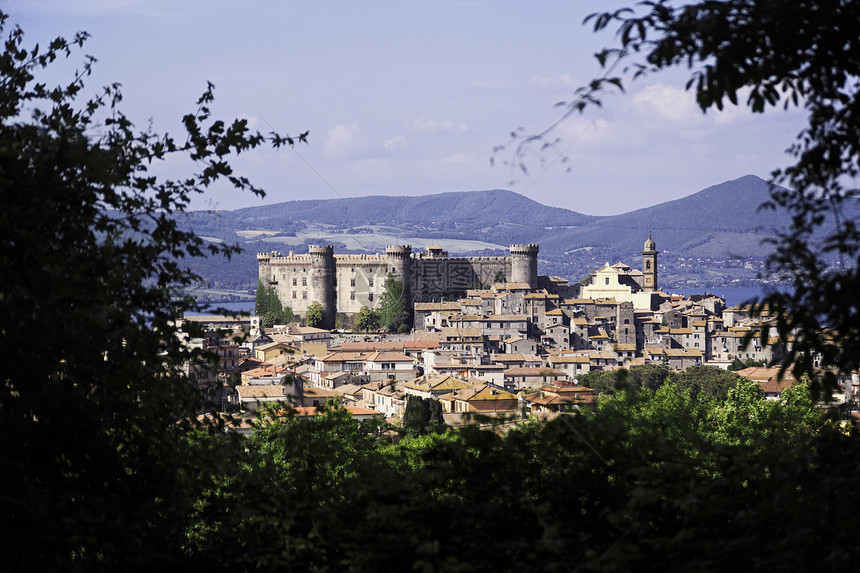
718,222
721,228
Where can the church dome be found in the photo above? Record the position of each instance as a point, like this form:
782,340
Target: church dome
649,244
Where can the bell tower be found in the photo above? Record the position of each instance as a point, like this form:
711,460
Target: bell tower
649,265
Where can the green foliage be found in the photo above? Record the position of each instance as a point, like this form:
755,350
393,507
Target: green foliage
315,315
636,484
707,382
261,304
422,415
269,306
366,320
737,364
93,458
394,309
650,376
341,321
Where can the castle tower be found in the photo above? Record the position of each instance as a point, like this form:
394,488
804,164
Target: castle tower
400,265
649,265
322,281
524,264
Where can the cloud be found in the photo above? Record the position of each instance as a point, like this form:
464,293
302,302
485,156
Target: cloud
564,81
342,138
667,103
490,84
395,142
458,159
425,125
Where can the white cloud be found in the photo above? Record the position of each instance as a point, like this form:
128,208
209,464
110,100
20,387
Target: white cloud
458,159
395,142
425,125
342,138
490,84
667,103
564,81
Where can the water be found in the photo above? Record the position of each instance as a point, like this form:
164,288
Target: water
237,306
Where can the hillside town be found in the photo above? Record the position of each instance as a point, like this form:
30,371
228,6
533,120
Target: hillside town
511,348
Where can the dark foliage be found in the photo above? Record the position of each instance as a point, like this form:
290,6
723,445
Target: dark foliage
93,385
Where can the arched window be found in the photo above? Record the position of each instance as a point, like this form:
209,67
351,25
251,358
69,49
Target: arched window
647,265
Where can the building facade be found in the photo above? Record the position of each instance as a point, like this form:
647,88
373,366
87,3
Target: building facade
345,283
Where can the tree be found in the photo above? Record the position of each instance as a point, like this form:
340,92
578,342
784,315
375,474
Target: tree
367,320
738,364
261,304
764,54
422,415
315,315
707,382
269,306
394,309
650,376
92,454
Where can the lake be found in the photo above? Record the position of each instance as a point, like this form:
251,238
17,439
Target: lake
237,306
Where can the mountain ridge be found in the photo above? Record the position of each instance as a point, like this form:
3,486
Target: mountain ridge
721,222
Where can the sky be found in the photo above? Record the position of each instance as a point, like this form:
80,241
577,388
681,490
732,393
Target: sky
411,97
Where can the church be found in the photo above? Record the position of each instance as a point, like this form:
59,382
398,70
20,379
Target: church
624,284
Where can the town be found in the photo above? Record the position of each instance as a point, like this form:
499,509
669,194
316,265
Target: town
497,340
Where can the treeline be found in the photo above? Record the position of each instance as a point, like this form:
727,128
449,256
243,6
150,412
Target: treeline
648,480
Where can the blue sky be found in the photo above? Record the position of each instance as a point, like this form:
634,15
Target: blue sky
410,97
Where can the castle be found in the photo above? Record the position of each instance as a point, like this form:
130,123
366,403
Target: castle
345,283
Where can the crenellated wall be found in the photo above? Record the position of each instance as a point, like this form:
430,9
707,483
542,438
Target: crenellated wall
345,283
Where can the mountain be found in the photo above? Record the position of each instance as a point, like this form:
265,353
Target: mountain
474,209
715,225
721,221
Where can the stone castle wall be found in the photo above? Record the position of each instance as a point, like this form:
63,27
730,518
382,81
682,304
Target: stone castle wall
345,283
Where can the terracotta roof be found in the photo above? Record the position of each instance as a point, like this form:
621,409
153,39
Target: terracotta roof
441,384
260,391
353,410
571,359
483,393
430,306
534,371
389,357
345,357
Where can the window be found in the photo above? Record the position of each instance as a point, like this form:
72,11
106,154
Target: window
352,282
294,281
304,281
647,265
370,296
305,295
607,280
370,282
352,296
294,294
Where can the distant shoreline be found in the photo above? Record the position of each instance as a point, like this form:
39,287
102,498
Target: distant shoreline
732,295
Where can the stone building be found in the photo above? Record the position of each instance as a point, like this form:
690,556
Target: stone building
345,283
